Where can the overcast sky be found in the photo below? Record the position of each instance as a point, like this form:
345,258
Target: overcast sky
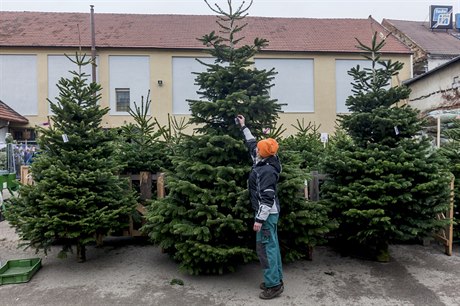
417,10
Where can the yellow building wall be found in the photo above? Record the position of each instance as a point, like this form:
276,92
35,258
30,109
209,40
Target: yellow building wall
161,96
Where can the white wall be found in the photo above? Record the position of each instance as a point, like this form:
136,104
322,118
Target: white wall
427,92
131,72
433,63
294,83
18,83
3,131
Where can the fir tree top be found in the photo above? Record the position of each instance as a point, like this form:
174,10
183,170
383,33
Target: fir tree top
374,117
230,86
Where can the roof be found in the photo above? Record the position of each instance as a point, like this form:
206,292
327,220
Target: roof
8,114
432,71
43,29
434,42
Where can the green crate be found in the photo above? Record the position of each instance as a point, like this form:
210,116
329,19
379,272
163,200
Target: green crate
19,270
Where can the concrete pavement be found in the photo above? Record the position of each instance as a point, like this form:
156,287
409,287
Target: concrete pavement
128,272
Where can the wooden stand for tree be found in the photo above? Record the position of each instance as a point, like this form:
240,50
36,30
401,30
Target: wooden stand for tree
81,252
312,188
445,235
146,180
26,176
311,193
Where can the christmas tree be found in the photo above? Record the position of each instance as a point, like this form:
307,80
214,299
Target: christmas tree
385,184
308,143
205,220
303,223
77,194
146,144
140,149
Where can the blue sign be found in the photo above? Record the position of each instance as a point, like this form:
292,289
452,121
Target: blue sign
441,17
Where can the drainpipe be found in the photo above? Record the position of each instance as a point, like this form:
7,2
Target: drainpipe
93,46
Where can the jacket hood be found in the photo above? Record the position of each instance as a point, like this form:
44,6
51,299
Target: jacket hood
272,161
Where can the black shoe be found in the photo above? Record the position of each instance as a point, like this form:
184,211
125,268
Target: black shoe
262,285
272,292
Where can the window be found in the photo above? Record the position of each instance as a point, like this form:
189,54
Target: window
343,81
122,97
59,66
184,86
129,78
18,83
23,134
294,84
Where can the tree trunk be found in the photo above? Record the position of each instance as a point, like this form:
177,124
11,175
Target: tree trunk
81,252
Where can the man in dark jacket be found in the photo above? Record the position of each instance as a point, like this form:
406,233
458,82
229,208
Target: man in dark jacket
262,184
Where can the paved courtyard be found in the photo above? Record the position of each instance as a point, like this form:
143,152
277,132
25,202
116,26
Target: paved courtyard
132,272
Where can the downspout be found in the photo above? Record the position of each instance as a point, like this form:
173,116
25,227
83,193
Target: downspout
93,46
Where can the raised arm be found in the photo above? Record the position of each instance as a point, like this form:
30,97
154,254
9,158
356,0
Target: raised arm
250,140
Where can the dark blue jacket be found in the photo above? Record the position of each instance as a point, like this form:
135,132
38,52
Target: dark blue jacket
262,182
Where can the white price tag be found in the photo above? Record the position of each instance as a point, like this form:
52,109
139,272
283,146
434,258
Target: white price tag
324,137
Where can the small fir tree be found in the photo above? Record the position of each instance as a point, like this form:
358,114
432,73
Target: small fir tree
385,184
140,149
303,223
307,142
77,194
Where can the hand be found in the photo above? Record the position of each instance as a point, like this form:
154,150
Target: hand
257,226
241,120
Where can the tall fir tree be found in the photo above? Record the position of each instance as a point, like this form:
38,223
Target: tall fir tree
385,184
77,194
204,220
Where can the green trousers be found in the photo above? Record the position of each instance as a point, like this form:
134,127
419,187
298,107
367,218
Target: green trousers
268,251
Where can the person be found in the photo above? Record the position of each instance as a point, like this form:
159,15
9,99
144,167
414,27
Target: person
27,156
262,185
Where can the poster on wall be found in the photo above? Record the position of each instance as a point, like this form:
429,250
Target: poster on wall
441,17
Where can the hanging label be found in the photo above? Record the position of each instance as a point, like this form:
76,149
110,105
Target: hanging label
396,130
65,138
324,137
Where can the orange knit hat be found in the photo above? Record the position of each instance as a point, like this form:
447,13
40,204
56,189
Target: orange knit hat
267,147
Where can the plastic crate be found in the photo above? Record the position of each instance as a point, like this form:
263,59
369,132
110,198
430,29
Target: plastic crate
19,270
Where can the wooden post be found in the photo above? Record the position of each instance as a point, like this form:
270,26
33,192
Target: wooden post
145,179
314,186
160,185
26,176
445,235
450,230
438,132
305,190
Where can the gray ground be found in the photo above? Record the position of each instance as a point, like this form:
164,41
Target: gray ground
126,272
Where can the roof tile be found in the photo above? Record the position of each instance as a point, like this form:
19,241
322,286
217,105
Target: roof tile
8,114
435,42
41,29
